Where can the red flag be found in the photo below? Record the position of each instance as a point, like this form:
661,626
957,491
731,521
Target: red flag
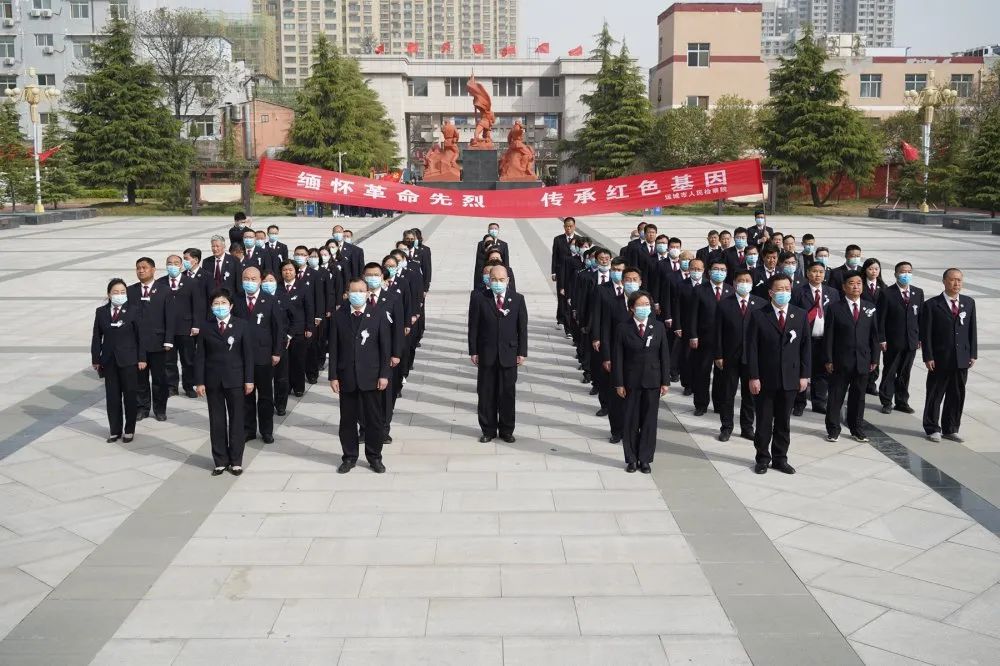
379,49
478,49
542,48
910,154
578,51
508,50
446,47
411,48
45,154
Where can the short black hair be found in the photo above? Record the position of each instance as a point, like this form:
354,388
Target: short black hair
901,264
663,236
372,265
115,281
194,252
785,256
248,230
602,250
236,247
239,217
770,248
808,237
221,292
649,226
287,262
759,211
725,232
741,272
272,226
776,278
675,239
944,276
636,295
618,261
851,248
300,247
853,274
631,269
713,232
147,260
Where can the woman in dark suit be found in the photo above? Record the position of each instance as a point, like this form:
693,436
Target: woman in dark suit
640,367
117,355
871,291
224,372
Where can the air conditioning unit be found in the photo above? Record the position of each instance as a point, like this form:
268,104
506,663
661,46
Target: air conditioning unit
35,13
8,62
8,23
46,13
48,50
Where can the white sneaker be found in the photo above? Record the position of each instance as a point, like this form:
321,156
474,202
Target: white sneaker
935,437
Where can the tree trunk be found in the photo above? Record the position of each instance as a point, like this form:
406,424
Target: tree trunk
130,189
833,188
814,191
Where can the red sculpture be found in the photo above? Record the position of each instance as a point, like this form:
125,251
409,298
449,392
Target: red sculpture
481,139
518,162
441,163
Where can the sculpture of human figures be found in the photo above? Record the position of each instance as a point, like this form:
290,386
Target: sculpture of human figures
432,163
441,162
518,162
481,139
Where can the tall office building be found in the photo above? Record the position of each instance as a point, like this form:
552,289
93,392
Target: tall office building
873,19
357,27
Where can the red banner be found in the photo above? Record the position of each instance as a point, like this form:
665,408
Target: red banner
650,190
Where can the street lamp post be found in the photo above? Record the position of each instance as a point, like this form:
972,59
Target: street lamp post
932,96
340,168
33,94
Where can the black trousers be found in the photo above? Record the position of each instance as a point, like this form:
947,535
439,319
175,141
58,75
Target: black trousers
313,352
896,366
258,407
155,374
819,385
700,362
404,363
281,386
366,407
225,425
296,355
732,376
598,376
183,351
673,344
947,384
120,390
496,387
851,385
774,425
641,410
610,401
389,400
680,357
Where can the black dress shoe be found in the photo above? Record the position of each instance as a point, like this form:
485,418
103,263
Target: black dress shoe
298,394
594,390
872,390
819,410
345,467
747,434
510,439
630,468
798,411
601,412
161,417
268,439
280,412
699,411
906,409
141,415
688,391
377,467
886,409
860,437
645,468
724,436
235,470
674,379
615,439
387,440
128,437
190,393
112,439
485,439
172,391
759,469
218,470
783,467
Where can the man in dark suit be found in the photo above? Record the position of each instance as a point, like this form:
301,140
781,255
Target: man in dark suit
609,310
156,334
397,286
188,295
389,304
252,256
356,251
421,254
711,252
268,325
296,299
731,371
699,323
850,352
682,288
360,352
560,251
948,339
789,265
571,264
279,251
899,309
191,263
735,256
815,298
642,255
498,344
767,267
496,243
349,254
777,351
759,234
240,222
221,270
852,263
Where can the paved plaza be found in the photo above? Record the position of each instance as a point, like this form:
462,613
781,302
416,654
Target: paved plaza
543,551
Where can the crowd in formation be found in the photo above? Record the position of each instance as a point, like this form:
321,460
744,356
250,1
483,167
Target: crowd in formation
752,312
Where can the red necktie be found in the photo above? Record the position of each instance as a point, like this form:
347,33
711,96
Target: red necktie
642,330
499,302
371,300
250,304
145,291
906,297
302,273
743,309
114,314
218,272
857,312
781,319
739,256
954,307
675,266
173,284
818,304
357,313
718,294
222,328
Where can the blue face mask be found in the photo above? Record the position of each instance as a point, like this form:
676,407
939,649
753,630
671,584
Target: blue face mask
631,287
661,248
259,242
685,263
574,249
590,263
741,243
603,268
743,288
823,260
494,233
299,260
220,311
119,300
616,276
373,281
313,262
782,298
498,287
696,275
760,221
338,237
486,279
904,279
357,298
250,287
416,242
717,276
186,264
269,287
173,271
642,312
788,270
855,262
249,243
391,270
751,260
808,249
273,238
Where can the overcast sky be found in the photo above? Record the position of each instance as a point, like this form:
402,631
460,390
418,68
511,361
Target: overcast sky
930,27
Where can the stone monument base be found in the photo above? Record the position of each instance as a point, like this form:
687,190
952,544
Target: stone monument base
479,165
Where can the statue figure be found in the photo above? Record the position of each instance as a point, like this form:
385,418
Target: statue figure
518,162
441,163
481,139
432,163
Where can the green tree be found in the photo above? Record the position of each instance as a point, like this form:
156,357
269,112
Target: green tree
949,141
336,111
60,176
678,138
732,128
981,172
124,136
810,133
907,182
16,170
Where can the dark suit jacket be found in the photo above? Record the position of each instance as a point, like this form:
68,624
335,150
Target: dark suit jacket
189,302
423,255
260,260
851,346
611,310
499,245
268,325
360,348
116,342
298,305
731,327
708,255
231,274
498,338
760,279
733,263
803,297
683,297
898,322
837,277
278,253
236,234
220,363
640,362
699,320
779,359
754,234
948,340
390,305
560,251
156,316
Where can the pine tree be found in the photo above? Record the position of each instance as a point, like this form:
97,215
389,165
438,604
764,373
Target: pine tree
981,172
732,128
809,132
17,183
336,111
60,175
948,146
124,136
678,138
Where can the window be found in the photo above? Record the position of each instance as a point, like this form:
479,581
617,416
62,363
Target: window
8,81
41,4
203,125
871,85
915,82
699,101
44,40
962,84
44,118
549,86
46,80
118,8
454,86
659,90
507,86
6,9
82,49
698,54
265,118
79,9
659,50
416,87
6,47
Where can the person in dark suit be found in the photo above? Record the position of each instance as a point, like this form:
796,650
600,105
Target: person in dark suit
348,253
221,270
267,325
735,256
683,295
155,307
296,299
560,252
852,263
116,354
252,256
759,234
573,263
642,255
188,295
398,286
850,352
494,243
498,344
224,374
778,356
240,222
948,339
387,303
731,370
766,268
788,264
356,252
699,324
261,248
610,310
492,255
640,369
815,298
872,292
788,247
360,352
278,250
711,252
191,263
411,277
899,310
424,255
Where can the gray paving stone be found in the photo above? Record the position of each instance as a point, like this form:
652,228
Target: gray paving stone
584,651
502,617
438,651
927,640
352,617
432,581
212,618
651,615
